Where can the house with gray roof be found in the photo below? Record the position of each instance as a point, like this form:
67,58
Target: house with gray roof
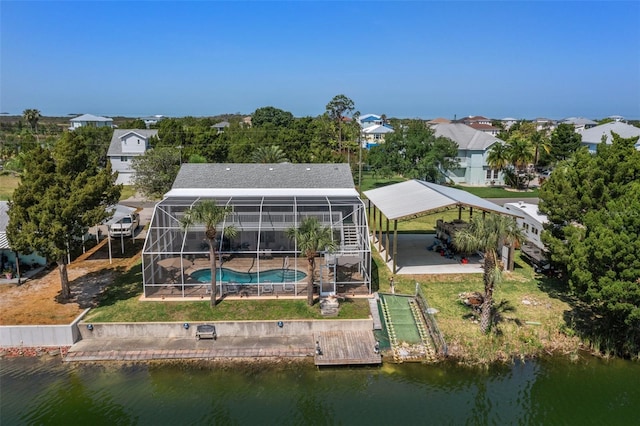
580,123
594,136
90,120
126,144
265,201
473,148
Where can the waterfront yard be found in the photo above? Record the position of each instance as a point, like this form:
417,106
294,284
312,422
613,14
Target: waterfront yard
533,319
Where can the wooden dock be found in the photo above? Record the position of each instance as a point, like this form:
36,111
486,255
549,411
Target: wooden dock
375,314
346,348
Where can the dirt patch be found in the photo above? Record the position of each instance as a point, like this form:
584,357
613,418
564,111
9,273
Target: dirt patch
36,301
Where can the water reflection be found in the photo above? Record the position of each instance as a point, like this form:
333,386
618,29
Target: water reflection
555,391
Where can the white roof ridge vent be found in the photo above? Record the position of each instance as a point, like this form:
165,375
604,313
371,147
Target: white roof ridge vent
270,168
308,168
228,168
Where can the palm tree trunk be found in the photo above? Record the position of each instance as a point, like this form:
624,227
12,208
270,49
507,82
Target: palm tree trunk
64,279
489,267
212,258
311,270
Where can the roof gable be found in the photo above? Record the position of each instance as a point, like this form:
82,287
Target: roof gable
115,146
466,137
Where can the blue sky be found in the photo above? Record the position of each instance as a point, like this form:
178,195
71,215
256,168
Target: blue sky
409,59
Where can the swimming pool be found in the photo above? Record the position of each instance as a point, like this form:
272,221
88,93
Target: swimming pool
228,275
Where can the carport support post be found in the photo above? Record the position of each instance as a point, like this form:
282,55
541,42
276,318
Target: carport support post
459,212
470,213
380,231
395,244
374,223
386,246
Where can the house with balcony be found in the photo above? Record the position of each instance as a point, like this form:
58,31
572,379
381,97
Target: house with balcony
473,149
90,120
126,144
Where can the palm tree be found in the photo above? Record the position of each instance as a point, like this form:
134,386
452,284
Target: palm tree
269,154
312,238
488,234
520,152
540,141
211,215
32,116
498,157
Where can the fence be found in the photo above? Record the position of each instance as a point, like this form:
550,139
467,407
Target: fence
432,325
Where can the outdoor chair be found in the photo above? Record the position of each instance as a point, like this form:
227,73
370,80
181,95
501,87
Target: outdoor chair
288,287
232,288
267,287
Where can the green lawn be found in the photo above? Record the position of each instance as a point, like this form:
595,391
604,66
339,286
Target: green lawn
8,183
121,303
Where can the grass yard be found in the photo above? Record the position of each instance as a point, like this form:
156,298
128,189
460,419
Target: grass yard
128,191
369,181
531,323
8,183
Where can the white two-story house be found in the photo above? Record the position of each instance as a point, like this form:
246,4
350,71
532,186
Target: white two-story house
125,145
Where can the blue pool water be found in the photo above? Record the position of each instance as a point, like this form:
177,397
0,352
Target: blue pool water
228,275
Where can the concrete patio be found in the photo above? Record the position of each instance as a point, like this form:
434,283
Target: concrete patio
414,258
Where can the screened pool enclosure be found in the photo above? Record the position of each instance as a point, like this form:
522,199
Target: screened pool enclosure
260,260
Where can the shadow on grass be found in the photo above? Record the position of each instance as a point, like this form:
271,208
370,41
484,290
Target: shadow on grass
126,285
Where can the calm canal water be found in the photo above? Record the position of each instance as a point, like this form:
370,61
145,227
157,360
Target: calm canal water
542,392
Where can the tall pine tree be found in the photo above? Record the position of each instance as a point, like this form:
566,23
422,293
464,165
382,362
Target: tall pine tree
62,193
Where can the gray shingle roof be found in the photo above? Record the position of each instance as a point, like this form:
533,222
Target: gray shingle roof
115,147
268,176
90,117
594,134
466,137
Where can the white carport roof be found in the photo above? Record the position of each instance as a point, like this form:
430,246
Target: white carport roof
119,211
406,199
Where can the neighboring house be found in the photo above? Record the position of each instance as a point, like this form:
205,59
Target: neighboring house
125,145
246,121
480,123
439,120
374,135
90,120
266,201
473,148
7,254
579,123
474,119
545,124
152,120
221,126
368,120
593,136
508,122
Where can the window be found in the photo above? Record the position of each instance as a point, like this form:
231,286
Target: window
488,173
124,159
495,174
